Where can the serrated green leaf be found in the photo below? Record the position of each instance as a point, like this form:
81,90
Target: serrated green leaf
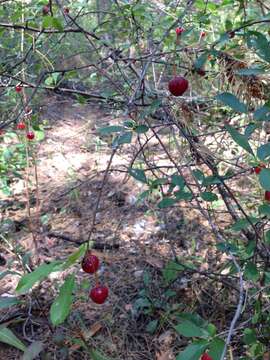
178,180
249,336
251,272
75,256
216,348
208,196
28,280
240,139
193,351
7,337
189,329
264,178
166,202
232,101
263,152
138,174
61,306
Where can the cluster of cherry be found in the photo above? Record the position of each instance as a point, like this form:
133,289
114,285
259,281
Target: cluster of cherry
90,265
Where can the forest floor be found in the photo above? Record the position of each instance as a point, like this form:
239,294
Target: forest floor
136,322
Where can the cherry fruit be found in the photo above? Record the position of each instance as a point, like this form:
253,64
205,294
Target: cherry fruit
90,263
66,10
179,31
267,195
21,126
203,33
46,10
258,169
231,34
178,85
205,356
30,135
18,88
201,72
99,294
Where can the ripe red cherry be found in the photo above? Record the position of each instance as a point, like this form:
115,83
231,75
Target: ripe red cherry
90,263
21,126
201,72
18,88
2,132
30,135
203,34
206,357
178,85
99,294
179,31
267,195
231,34
258,169
66,10
46,9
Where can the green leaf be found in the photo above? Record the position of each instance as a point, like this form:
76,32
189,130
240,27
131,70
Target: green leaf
138,174
183,195
57,24
264,178
216,348
250,71
240,139
251,272
141,129
96,355
7,337
263,152
75,256
211,180
28,280
232,101
178,180
189,329
262,113
33,351
152,326
193,351
249,336
6,302
124,138
267,237
264,209
244,223
61,306
166,202
208,196
110,129
171,271
200,62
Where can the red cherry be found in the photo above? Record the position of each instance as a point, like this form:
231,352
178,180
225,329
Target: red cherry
66,10
203,34
179,31
99,294
258,169
46,9
21,126
267,195
30,135
2,132
231,34
206,357
201,72
90,263
178,85
18,88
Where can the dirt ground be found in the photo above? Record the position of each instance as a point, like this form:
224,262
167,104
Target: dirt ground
71,164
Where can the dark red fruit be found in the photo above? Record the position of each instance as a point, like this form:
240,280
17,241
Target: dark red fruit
231,34
46,9
66,10
179,31
206,357
90,263
267,196
21,126
99,294
18,88
258,169
30,135
203,34
201,72
178,85
2,132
